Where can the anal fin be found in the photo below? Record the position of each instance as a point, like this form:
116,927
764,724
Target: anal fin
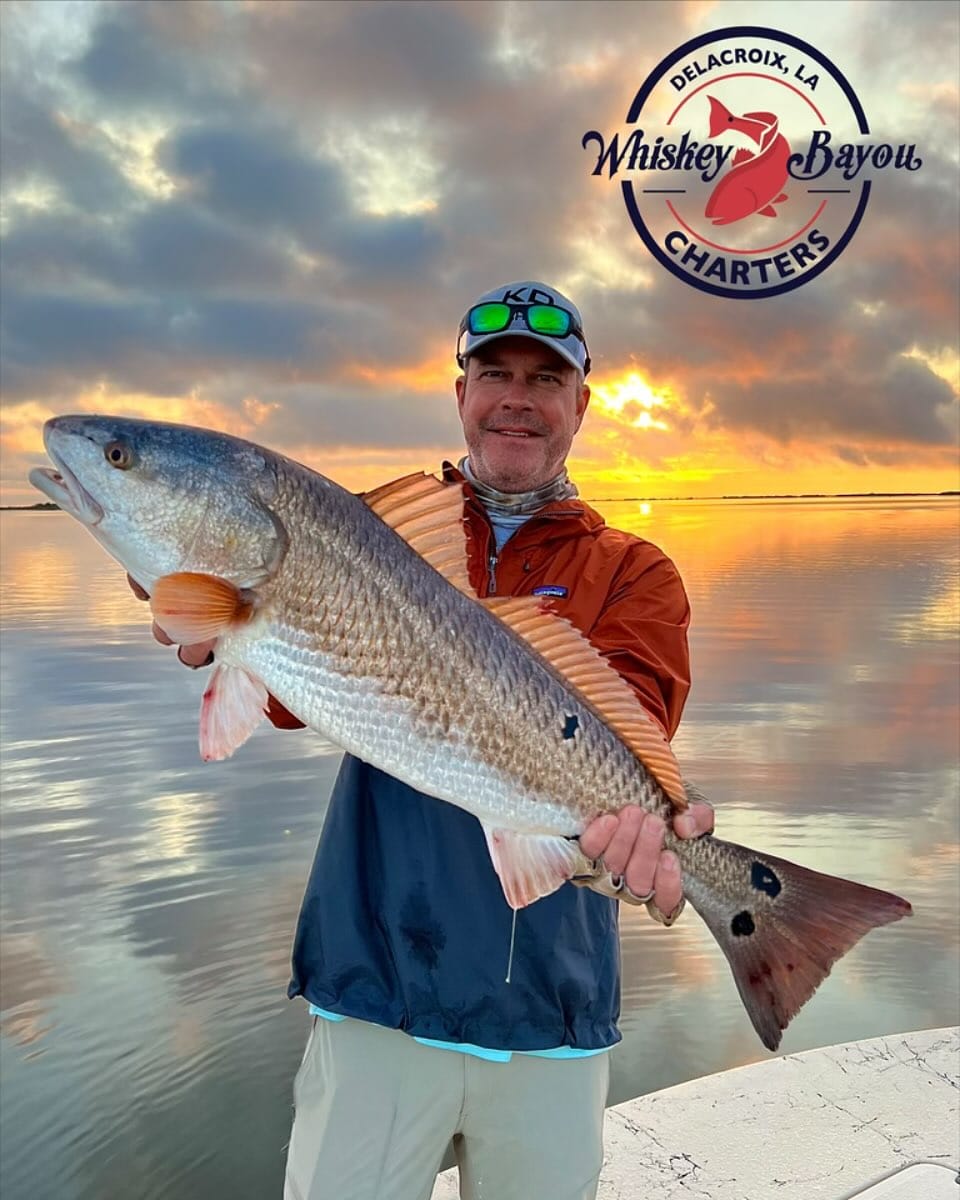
531,865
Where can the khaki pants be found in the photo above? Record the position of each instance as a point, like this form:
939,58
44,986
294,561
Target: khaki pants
375,1111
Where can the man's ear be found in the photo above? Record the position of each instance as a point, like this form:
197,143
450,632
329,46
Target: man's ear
582,402
461,386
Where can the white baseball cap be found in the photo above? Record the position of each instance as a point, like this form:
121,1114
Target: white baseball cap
524,310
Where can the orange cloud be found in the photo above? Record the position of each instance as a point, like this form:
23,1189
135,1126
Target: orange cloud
428,377
21,425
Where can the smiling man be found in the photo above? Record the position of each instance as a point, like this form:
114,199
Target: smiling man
404,935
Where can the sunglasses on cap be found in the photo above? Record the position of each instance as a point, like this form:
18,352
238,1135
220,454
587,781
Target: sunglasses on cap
547,320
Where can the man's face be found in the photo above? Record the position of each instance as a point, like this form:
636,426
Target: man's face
520,404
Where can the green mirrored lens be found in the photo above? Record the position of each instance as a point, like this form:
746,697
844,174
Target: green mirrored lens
544,318
489,318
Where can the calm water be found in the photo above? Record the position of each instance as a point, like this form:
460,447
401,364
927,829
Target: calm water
148,901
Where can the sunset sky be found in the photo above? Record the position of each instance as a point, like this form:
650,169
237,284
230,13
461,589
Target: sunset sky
270,217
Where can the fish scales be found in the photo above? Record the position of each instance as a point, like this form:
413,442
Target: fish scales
450,675
314,598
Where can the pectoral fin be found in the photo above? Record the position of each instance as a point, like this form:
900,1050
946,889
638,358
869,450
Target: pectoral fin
233,706
532,865
190,607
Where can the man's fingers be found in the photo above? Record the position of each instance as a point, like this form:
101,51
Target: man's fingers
667,883
617,854
596,837
137,589
161,636
697,819
200,654
640,868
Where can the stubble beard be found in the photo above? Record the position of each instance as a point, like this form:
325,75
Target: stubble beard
513,477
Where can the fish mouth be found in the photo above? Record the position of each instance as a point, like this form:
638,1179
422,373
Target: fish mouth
65,490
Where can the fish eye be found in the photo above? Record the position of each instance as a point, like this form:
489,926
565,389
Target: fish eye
119,454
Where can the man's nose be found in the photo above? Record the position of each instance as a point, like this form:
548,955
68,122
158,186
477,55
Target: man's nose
516,394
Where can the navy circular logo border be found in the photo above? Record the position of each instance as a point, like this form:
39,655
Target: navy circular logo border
630,200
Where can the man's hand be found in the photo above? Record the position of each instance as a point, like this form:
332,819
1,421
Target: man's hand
630,843
200,654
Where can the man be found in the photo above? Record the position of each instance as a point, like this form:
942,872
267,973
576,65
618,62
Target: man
404,936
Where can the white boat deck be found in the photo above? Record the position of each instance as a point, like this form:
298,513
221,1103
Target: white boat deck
876,1120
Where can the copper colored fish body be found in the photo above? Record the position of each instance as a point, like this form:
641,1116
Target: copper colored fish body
357,614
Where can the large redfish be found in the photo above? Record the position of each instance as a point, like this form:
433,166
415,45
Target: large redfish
357,614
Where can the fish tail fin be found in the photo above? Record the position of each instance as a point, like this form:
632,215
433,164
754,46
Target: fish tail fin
781,926
720,117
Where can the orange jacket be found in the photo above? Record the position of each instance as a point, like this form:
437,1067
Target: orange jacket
623,593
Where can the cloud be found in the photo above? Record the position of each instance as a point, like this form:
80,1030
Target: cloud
170,246
157,346
259,178
155,56
296,203
47,149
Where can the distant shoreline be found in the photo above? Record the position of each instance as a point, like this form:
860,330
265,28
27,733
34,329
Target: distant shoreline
776,496
49,507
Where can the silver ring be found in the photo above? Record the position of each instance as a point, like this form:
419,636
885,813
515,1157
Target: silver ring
638,899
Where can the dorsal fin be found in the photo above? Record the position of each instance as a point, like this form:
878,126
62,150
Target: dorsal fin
428,515
569,653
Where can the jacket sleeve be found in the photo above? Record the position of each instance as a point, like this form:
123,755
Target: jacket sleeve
279,716
642,631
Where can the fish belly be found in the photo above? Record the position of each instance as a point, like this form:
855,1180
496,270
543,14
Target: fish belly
395,734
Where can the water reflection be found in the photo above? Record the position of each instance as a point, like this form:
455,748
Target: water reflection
149,899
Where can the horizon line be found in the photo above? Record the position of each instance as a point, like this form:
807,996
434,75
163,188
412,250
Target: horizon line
50,506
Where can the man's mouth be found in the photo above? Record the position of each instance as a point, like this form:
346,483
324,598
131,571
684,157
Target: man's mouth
516,433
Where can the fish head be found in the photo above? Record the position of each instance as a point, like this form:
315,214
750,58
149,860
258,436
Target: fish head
164,498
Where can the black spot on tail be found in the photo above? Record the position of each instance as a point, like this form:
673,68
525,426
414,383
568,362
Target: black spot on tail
570,726
742,924
764,879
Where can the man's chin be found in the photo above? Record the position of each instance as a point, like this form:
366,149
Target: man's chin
512,476
512,464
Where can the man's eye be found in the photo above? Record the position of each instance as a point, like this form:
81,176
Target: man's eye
491,373
548,378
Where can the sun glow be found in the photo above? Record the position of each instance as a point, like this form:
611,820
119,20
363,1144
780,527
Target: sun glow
632,401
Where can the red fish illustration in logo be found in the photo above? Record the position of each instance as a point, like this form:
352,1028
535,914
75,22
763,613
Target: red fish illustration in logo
753,183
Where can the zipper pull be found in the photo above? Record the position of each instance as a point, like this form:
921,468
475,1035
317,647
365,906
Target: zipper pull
492,565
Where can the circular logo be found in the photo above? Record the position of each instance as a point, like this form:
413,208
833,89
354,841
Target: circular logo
744,167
